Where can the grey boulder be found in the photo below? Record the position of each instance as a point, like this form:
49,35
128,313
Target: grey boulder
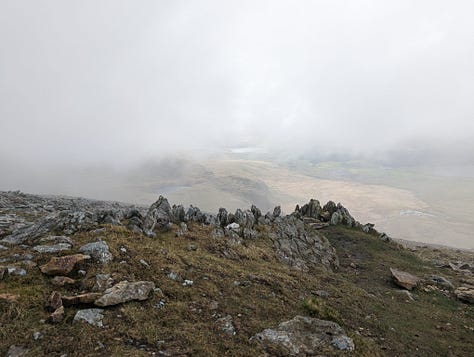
305,336
99,251
91,316
125,291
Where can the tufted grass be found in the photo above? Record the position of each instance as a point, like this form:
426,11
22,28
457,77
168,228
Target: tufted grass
248,282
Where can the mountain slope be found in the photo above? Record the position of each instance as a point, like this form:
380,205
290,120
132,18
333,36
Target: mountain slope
214,291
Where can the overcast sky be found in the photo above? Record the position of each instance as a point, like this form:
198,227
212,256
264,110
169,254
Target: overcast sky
88,81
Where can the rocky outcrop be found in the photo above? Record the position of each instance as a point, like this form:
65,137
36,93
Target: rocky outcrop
178,214
244,219
300,246
49,215
158,216
305,336
222,217
312,209
332,213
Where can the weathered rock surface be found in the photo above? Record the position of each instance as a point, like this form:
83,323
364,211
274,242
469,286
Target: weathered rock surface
16,271
3,272
91,316
158,216
300,246
54,301
62,281
305,336
103,282
63,265
226,325
17,351
52,248
53,214
404,279
441,282
56,316
56,240
86,298
9,297
465,293
99,251
125,291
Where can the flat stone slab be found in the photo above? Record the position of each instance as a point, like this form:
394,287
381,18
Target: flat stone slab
125,291
404,279
52,248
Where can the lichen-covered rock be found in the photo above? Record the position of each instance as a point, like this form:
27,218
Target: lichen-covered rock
222,217
276,212
311,209
178,214
158,216
55,248
336,218
330,207
99,251
305,336
67,222
103,282
300,246
125,291
91,316
256,212
226,325
194,214
244,219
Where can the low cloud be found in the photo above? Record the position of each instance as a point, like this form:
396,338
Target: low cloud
118,82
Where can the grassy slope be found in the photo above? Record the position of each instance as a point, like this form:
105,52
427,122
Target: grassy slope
363,300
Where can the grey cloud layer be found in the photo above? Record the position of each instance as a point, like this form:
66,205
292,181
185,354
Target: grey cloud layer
121,80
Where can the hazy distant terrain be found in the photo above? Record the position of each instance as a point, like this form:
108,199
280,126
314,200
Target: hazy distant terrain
405,203
426,205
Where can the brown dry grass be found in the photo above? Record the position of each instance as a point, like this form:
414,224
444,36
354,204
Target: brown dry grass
245,281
